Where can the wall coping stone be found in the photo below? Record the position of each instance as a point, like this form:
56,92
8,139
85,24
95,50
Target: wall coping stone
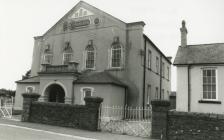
160,103
93,99
196,114
31,95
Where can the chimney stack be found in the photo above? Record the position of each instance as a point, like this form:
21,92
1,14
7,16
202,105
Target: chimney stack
183,31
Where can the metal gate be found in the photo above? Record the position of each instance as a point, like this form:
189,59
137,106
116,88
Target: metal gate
6,108
126,120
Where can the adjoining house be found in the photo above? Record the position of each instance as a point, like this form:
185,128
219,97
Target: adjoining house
200,76
91,53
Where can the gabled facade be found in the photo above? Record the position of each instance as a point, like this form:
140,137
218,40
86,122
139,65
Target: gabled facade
200,78
88,42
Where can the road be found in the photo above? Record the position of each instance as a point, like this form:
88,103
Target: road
17,130
14,132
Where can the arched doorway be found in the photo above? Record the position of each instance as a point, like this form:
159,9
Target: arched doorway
55,93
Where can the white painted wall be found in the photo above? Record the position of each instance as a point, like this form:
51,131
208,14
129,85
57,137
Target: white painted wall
182,89
197,90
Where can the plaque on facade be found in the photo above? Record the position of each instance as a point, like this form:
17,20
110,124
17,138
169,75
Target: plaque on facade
80,23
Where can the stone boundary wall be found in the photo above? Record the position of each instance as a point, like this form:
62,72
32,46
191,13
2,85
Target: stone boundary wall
75,116
195,126
174,125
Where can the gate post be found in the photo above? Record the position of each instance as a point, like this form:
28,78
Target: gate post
91,113
159,118
28,98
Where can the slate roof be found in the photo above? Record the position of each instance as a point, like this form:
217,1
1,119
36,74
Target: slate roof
200,54
98,78
35,79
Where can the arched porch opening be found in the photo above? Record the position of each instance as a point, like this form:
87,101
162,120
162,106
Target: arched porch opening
55,93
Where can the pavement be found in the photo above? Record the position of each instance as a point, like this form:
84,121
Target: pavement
14,129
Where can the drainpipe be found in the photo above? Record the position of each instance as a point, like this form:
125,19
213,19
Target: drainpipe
144,79
189,87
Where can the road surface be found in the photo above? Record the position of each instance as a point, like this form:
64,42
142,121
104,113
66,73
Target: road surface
13,132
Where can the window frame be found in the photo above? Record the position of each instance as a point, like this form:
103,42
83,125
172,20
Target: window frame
157,93
94,59
163,69
149,58
66,53
33,88
149,90
168,72
121,57
48,54
83,93
157,64
216,84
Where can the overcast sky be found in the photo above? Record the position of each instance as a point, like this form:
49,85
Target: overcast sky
21,20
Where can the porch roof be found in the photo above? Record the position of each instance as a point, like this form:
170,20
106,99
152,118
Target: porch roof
99,78
35,79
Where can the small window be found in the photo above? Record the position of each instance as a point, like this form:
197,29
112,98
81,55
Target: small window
148,94
29,89
163,69
67,57
168,73
86,92
157,64
163,96
149,58
157,93
48,58
67,53
209,84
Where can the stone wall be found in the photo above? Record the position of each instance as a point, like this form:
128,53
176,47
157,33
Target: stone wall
174,125
194,126
75,116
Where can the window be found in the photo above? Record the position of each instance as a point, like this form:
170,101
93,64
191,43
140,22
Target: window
148,94
48,55
29,89
48,58
90,56
67,57
157,93
116,54
86,92
209,84
157,64
163,69
168,73
149,58
68,53
163,96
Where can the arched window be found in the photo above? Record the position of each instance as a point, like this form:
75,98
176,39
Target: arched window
86,92
90,56
67,53
29,89
48,55
116,54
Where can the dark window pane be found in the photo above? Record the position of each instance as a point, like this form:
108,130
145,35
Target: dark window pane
213,72
205,95
204,72
208,72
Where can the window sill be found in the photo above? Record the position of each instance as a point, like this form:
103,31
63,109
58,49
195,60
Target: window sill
115,69
209,102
